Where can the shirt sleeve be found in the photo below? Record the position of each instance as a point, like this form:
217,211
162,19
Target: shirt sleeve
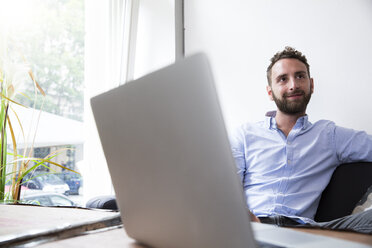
238,151
352,145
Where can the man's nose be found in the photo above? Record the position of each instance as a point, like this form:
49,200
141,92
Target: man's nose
293,84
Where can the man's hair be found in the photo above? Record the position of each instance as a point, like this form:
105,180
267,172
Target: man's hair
287,53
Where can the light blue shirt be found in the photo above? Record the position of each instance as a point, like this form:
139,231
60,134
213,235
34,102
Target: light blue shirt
286,175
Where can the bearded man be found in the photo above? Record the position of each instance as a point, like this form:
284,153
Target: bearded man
285,161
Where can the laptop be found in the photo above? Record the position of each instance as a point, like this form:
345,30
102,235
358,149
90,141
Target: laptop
169,158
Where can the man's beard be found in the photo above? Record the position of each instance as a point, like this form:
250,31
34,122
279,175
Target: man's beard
292,107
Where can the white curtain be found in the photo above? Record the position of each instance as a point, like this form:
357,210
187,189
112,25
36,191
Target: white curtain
125,39
105,68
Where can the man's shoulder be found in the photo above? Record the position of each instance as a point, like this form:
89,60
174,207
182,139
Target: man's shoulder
320,126
324,123
264,125
247,131
250,128
253,125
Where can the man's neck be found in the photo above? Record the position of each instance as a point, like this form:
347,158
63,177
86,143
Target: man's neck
285,122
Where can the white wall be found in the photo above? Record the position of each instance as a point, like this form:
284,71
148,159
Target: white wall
155,47
241,36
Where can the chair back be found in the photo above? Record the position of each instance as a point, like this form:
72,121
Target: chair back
348,184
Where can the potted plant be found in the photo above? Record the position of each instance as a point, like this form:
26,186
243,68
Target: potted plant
15,72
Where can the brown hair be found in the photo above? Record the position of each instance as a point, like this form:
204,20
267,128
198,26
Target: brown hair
288,52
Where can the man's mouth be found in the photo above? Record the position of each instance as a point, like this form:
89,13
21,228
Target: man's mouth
294,96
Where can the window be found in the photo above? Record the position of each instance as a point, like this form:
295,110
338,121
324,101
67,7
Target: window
49,35
67,42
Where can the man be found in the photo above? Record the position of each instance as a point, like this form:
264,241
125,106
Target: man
285,161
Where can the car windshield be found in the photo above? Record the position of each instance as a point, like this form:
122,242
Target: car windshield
49,179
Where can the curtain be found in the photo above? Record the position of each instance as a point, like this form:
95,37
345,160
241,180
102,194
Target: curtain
105,68
125,39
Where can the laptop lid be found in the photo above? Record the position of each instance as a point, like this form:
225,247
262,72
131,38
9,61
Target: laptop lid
170,161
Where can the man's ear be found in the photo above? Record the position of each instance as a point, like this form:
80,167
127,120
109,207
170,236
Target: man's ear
311,85
269,92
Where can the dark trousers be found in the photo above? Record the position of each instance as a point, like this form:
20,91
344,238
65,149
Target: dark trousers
360,222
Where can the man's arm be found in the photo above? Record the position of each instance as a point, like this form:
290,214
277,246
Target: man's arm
254,217
238,152
352,145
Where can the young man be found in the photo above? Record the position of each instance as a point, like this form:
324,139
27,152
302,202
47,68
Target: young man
285,161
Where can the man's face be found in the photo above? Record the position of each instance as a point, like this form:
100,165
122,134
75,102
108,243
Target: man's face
291,87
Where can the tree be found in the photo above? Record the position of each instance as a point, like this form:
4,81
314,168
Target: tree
52,41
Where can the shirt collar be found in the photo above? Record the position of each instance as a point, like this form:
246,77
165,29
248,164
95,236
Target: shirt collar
302,122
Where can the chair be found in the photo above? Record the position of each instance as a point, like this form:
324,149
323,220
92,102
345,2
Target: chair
347,186
103,202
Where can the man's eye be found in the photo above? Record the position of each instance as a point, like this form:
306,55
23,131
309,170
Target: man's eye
282,79
300,76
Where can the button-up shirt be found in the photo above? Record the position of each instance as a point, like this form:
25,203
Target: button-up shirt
286,175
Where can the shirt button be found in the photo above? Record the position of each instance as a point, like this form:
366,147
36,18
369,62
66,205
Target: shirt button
288,142
288,161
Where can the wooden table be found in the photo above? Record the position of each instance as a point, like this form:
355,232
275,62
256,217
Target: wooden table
76,227
351,236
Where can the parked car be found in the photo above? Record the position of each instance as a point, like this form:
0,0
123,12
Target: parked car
46,182
73,180
48,199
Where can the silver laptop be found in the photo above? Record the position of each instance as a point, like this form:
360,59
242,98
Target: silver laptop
171,165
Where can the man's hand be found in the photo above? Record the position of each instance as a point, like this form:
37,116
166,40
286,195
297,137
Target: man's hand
254,217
